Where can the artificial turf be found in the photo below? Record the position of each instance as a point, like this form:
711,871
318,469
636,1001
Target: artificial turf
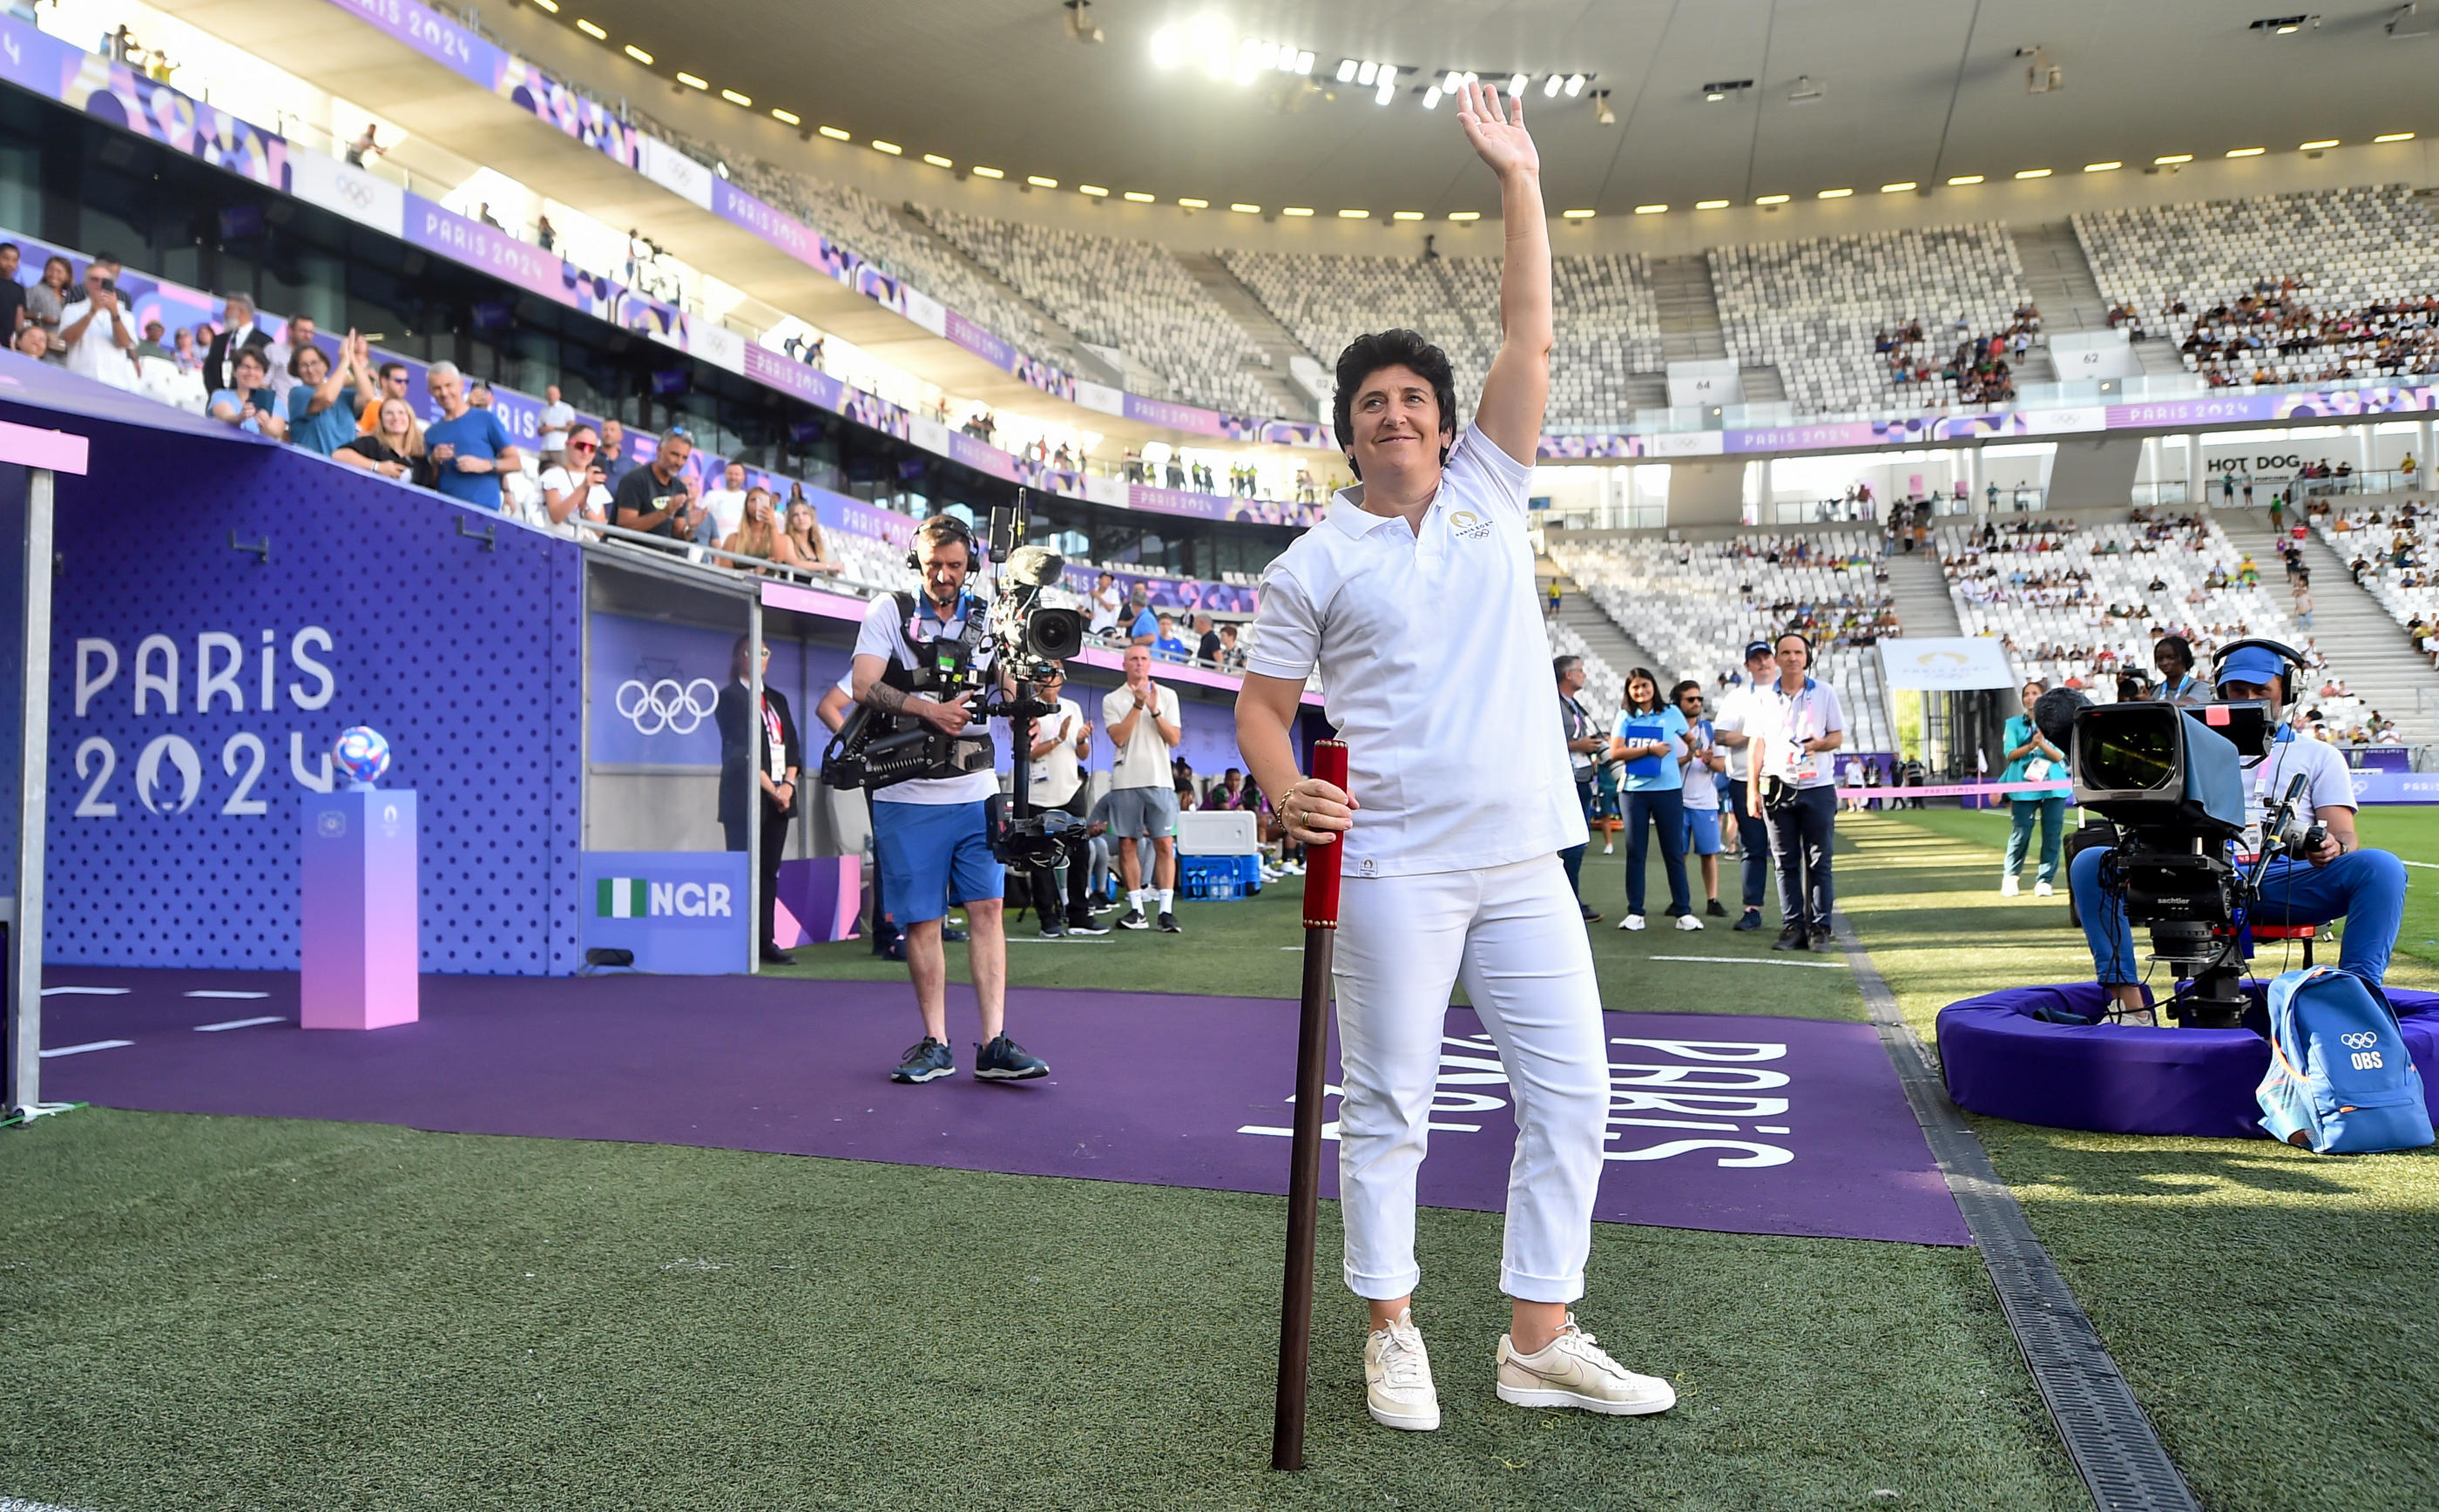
207,1312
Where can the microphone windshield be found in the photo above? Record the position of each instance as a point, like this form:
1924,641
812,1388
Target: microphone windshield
1034,567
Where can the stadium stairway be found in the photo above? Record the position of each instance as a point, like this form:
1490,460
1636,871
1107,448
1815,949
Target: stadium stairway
2365,646
1689,308
1260,327
2060,277
1603,636
1919,589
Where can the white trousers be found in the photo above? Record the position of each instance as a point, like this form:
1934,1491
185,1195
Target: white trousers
1514,936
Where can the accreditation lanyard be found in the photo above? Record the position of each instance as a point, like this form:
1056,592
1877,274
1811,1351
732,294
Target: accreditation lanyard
775,740
1797,717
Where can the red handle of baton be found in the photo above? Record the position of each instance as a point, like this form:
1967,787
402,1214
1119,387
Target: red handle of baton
1322,862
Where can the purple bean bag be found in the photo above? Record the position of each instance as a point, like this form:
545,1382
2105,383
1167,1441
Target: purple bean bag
2000,1059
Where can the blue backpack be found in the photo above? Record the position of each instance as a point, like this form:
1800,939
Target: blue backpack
2340,1081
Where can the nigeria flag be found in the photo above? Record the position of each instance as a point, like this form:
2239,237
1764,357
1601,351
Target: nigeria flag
619,898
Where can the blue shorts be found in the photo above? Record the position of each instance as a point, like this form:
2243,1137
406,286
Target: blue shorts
931,855
1702,830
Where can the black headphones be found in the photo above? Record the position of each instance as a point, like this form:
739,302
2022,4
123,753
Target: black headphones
1799,636
2292,657
943,528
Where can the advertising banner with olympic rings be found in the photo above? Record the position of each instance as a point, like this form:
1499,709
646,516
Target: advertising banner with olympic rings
656,686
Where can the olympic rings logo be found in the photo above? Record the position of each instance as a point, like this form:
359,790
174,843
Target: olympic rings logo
2358,1041
667,705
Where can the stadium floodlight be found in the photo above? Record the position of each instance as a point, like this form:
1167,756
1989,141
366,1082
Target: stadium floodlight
1465,215
590,30
1651,209
1366,72
1579,215
1835,194
2032,172
1193,204
982,172
786,117
1243,208
1450,81
1515,83
1304,62
890,148
2395,136
1432,98
552,5
2245,151
639,55
1355,215
1901,186
1346,67
735,98
1773,199
1298,210
2109,167
2320,146
1963,179
1405,214
1388,90
1711,204
1551,86
837,133
1092,191
1139,197
1041,183
1167,49
2172,159
1575,85
938,161
691,81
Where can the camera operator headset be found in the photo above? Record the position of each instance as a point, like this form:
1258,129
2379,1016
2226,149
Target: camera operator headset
2335,879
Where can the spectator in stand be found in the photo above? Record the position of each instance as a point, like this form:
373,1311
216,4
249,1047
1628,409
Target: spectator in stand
759,535
46,302
1104,604
300,335
1143,626
12,294
616,463
1146,726
557,414
250,405
1649,736
392,385
1584,745
1062,743
1166,646
183,351
572,494
2031,758
478,393
151,346
805,537
545,234
469,446
394,448
31,341
659,498
723,508
367,144
322,406
1703,763
101,338
1232,654
1206,641
2304,603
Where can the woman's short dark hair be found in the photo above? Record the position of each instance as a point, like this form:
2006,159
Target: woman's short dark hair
2175,646
1366,355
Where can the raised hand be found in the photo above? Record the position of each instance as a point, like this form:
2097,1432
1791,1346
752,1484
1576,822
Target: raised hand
1500,138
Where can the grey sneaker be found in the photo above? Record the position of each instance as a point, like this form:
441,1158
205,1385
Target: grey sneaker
1573,1371
1004,1059
1398,1377
926,1062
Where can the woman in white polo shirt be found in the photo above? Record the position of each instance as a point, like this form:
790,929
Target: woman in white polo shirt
1415,598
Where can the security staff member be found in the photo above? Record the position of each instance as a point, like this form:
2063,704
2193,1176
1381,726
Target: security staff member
764,752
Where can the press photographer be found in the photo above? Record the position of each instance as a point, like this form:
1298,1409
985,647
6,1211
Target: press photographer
924,663
2173,783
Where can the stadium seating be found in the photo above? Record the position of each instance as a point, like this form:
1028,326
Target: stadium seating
2077,603
1693,607
2346,249
1128,294
1811,309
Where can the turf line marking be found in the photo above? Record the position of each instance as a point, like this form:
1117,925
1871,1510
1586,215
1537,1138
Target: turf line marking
10,1504
214,992
86,991
94,1044
237,1023
1750,960
1036,939
2431,864
2105,1431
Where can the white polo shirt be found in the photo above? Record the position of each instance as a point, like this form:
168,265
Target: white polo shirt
1434,668
2327,780
1786,721
1736,716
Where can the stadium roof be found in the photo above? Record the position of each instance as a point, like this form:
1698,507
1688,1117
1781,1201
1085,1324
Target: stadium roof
1836,94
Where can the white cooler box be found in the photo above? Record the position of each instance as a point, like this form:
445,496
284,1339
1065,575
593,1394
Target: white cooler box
1216,833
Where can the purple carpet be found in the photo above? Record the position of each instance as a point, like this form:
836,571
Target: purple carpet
1741,1124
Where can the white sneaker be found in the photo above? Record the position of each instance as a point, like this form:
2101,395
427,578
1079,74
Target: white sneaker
1573,1371
1398,1377
1687,922
2043,890
2008,887
1632,921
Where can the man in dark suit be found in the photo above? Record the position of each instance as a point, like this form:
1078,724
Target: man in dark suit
238,331
765,752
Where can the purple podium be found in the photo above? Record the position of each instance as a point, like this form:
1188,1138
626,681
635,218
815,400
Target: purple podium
361,907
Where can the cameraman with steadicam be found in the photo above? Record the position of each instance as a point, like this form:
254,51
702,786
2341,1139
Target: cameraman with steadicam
2338,879
932,834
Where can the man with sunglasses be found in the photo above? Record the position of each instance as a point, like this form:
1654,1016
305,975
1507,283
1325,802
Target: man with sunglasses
392,385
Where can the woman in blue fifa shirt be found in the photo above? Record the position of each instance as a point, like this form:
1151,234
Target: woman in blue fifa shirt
1649,737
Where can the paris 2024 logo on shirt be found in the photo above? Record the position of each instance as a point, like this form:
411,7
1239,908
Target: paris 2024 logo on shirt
1467,526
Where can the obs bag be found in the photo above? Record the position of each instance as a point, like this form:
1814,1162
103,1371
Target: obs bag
2340,1081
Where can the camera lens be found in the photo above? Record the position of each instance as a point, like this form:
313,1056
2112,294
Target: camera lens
2135,749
